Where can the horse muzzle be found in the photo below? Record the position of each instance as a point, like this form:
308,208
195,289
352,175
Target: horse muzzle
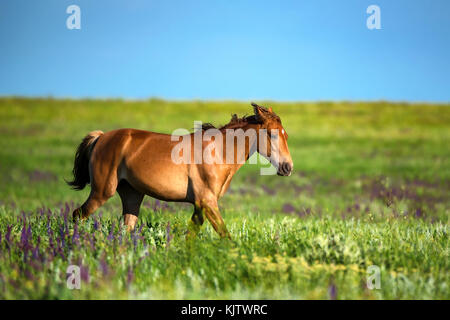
284,169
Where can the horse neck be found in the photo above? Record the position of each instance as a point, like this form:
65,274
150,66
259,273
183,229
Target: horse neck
250,148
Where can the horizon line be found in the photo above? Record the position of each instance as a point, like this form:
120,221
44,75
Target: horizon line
216,100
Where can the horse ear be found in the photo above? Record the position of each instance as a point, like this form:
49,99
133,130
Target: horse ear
255,108
259,111
262,113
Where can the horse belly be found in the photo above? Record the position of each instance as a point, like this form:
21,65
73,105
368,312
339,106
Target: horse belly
159,179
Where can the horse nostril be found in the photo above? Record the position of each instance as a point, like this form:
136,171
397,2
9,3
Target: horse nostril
288,167
285,168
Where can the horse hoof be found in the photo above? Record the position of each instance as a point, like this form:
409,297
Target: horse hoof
76,215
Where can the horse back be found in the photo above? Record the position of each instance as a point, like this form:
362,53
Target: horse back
143,158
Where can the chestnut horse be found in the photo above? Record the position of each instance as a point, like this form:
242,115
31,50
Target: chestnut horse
138,163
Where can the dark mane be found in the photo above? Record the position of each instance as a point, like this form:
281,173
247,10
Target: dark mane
234,123
237,122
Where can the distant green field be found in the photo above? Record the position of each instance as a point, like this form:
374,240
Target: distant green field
371,186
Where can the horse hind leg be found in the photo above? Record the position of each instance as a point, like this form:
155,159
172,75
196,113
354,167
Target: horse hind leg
101,191
93,202
131,203
196,222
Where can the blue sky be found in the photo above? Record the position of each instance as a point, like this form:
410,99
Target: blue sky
227,49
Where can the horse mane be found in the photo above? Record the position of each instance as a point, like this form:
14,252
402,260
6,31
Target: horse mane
236,122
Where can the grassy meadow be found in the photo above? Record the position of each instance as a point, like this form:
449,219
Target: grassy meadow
371,186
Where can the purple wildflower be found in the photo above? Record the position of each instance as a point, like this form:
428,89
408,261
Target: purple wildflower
130,275
62,236
92,241
84,273
157,205
28,274
268,190
76,235
288,208
25,237
168,235
50,237
418,213
35,252
8,233
111,233
25,241
332,291
134,238
49,229
104,266
66,225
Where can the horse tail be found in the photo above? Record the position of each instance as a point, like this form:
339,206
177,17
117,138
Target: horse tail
81,164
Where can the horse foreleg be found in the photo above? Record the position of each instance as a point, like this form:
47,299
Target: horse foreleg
211,210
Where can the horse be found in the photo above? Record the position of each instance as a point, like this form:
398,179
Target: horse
136,163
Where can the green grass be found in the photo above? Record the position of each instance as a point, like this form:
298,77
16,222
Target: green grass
371,186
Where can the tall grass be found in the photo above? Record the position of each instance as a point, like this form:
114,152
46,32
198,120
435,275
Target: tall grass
370,187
